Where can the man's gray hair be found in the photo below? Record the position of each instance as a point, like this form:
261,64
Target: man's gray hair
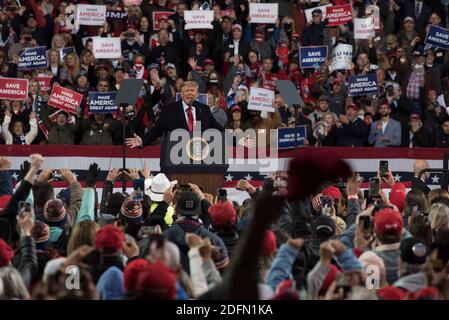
190,83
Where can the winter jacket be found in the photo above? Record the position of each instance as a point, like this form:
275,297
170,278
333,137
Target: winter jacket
58,134
97,134
353,134
441,139
412,282
5,183
390,255
110,285
28,137
281,268
8,217
27,263
183,225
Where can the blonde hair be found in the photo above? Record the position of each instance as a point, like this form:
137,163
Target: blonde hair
436,193
57,53
288,19
84,232
53,41
439,216
73,72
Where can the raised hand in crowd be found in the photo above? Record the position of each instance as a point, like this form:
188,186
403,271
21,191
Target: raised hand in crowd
113,174
68,176
92,175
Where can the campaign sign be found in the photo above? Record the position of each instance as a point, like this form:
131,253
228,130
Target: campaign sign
363,85
65,51
102,102
338,15
263,12
90,15
13,89
44,84
65,99
107,48
289,138
116,14
261,100
310,57
364,28
157,15
438,37
308,12
33,58
341,57
197,19
202,97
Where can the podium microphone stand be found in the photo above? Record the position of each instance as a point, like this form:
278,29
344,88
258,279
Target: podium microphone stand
127,95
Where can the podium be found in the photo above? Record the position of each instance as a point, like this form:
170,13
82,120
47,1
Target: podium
198,159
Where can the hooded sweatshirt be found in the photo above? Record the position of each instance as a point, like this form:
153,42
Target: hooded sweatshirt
110,285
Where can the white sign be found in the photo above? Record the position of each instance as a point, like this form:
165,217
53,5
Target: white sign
308,12
261,100
341,57
263,12
90,15
128,3
364,28
197,19
107,48
374,12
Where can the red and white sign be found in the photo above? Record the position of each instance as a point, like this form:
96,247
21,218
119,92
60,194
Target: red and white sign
44,84
157,15
90,15
128,3
196,19
107,48
338,15
261,100
263,12
65,99
364,28
13,89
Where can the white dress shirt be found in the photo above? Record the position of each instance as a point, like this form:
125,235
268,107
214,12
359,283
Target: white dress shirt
236,47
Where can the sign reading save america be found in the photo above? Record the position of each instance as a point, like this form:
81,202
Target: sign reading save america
13,89
310,57
107,48
263,12
338,15
197,19
438,37
65,99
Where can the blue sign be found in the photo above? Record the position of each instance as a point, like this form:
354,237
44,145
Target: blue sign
33,58
311,57
438,37
202,97
102,102
65,51
363,85
287,140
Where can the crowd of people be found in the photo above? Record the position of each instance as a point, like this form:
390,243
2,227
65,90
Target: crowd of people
410,109
295,238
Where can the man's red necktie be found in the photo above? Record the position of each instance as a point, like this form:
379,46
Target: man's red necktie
190,119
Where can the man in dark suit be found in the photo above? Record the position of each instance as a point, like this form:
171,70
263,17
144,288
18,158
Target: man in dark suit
236,46
420,11
420,184
183,114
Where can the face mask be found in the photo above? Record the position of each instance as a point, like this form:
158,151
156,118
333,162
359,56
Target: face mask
131,42
287,26
213,81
